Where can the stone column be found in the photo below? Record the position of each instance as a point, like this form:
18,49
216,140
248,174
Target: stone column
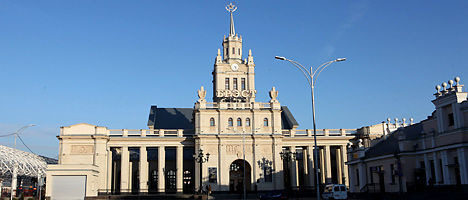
327,159
311,167
445,169
339,169
427,166
161,169
180,169
322,166
345,173
278,173
125,170
437,166
109,171
305,166
462,160
294,175
143,170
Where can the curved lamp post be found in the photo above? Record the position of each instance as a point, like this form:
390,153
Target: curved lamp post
311,77
13,173
200,158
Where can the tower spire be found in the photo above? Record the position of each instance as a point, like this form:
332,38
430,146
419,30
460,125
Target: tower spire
231,8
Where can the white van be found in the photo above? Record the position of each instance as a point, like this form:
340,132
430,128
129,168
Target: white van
335,191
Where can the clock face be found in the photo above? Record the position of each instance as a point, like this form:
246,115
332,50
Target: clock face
234,67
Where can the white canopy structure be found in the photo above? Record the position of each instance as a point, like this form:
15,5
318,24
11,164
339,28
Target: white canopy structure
29,164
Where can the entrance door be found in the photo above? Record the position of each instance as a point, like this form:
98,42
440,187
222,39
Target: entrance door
236,176
381,182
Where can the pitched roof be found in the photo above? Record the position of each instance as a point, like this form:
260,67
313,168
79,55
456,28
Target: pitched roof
182,118
287,119
390,145
171,118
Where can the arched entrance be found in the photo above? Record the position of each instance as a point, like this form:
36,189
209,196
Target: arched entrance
236,176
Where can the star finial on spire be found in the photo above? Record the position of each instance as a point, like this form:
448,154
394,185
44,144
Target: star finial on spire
231,8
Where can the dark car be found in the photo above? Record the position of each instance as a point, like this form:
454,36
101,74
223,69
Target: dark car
274,194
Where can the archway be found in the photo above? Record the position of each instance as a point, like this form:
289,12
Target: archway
236,176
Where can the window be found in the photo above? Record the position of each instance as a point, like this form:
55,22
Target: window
265,122
247,122
230,122
171,177
371,175
441,171
227,84
239,122
451,120
392,171
268,177
212,122
242,83
187,178
233,50
238,51
431,162
227,51
357,176
234,86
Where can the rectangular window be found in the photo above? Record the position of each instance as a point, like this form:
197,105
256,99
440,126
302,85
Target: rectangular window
393,173
239,51
233,50
268,175
441,171
227,84
227,51
451,120
242,83
431,162
357,176
371,175
234,84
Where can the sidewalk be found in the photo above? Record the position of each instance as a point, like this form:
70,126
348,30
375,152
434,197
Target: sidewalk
249,196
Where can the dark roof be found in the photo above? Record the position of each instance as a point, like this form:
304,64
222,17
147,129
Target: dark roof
390,145
182,118
287,119
171,118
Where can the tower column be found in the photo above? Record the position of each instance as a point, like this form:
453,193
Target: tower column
345,173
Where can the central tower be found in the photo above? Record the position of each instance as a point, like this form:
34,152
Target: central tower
233,77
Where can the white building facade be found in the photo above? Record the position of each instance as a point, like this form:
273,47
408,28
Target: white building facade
241,136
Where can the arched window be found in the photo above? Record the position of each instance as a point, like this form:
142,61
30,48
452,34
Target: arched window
247,122
187,178
212,122
171,179
239,122
230,122
265,122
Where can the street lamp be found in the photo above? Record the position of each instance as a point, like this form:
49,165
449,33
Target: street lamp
310,74
15,167
288,156
200,158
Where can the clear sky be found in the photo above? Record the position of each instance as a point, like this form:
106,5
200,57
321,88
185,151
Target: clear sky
106,62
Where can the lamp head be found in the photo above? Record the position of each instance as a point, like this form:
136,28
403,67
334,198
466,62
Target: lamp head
340,59
280,58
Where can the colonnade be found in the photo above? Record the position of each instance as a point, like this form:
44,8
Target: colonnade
325,166
126,183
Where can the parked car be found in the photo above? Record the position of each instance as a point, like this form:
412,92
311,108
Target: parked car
335,191
274,194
